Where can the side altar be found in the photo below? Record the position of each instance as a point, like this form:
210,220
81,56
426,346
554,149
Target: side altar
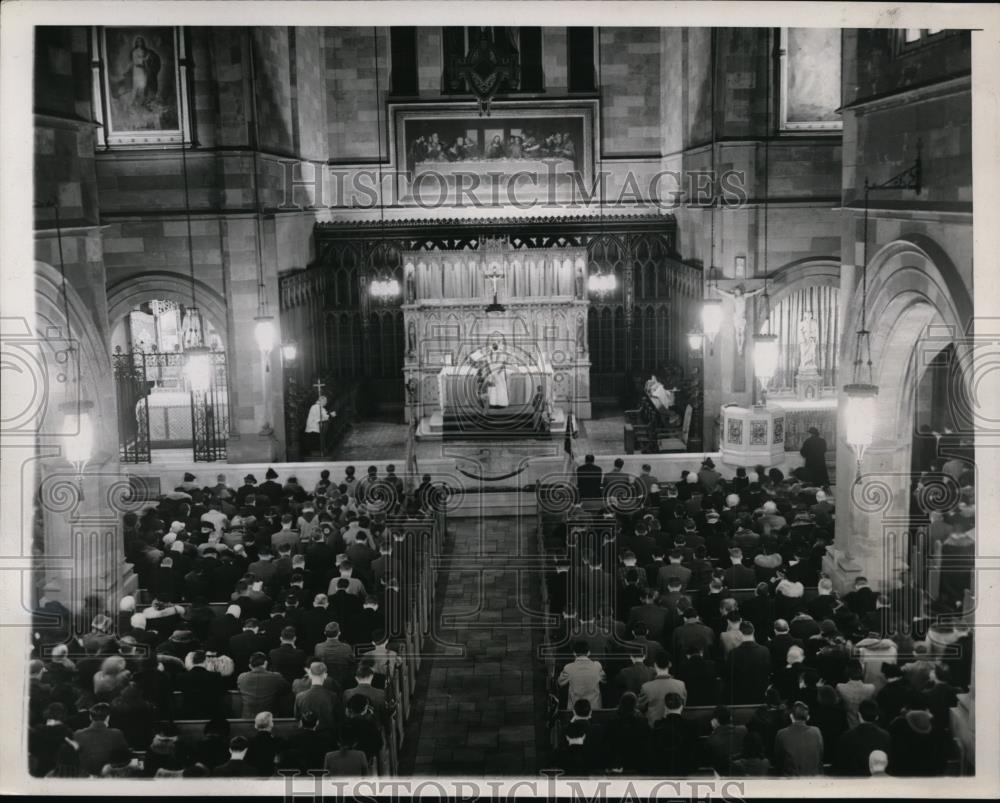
496,336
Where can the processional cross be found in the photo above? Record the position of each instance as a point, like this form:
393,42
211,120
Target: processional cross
319,388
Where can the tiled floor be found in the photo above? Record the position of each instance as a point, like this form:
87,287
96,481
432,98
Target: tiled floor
484,696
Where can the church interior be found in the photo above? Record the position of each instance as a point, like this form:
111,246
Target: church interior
475,401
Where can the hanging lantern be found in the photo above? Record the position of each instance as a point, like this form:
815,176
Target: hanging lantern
695,340
384,289
765,357
711,318
859,419
198,368
265,333
79,432
602,284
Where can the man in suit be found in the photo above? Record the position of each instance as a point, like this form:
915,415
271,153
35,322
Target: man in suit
822,605
306,747
573,757
856,745
202,691
237,766
245,644
798,748
264,747
655,617
318,700
748,669
780,644
673,740
336,654
700,676
653,692
726,740
862,599
674,569
691,635
633,676
313,622
582,677
261,689
286,658
588,479
364,676
738,575
269,488
98,743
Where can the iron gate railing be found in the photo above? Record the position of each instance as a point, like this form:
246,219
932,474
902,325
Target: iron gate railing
157,409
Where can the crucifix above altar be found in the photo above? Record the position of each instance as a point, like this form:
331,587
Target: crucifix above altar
497,328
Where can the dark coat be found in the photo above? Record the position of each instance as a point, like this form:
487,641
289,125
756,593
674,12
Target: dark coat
747,675
813,452
856,745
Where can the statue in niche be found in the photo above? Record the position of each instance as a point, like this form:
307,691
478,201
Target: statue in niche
581,285
581,336
411,287
411,339
808,338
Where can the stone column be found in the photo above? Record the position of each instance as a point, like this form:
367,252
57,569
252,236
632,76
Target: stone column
253,416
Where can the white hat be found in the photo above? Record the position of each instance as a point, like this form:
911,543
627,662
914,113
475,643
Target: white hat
692,479
820,496
752,477
732,500
177,546
127,604
770,507
138,621
234,610
169,538
176,526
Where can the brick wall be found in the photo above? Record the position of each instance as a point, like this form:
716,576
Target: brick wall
274,89
352,110
630,71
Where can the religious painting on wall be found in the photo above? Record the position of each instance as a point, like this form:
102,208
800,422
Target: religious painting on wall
521,153
810,79
141,86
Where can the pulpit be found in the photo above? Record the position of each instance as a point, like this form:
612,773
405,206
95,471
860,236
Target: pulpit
753,435
497,332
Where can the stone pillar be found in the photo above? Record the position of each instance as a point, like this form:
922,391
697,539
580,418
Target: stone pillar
255,418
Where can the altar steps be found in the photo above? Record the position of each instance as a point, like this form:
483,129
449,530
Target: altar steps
492,425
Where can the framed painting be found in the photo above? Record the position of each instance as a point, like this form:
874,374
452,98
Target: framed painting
810,79
523,152
140,79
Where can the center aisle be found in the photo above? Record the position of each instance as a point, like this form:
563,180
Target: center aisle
481,697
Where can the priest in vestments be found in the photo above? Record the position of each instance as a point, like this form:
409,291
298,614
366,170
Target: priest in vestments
317,425
496,395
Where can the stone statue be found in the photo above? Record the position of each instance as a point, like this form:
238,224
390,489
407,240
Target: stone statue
739,298
581,287
581,336
411,339
411,289
808,338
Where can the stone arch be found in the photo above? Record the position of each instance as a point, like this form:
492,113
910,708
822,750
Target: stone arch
128,293
94,363
801,273
916,302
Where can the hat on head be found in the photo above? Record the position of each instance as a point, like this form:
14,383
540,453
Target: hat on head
234,610
188,476
827,627
732,500
176,526
813,431
271,474
770,507
250,478
177,546
691,479
820,496
707,463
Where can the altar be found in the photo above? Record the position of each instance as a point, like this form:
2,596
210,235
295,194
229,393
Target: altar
496,333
